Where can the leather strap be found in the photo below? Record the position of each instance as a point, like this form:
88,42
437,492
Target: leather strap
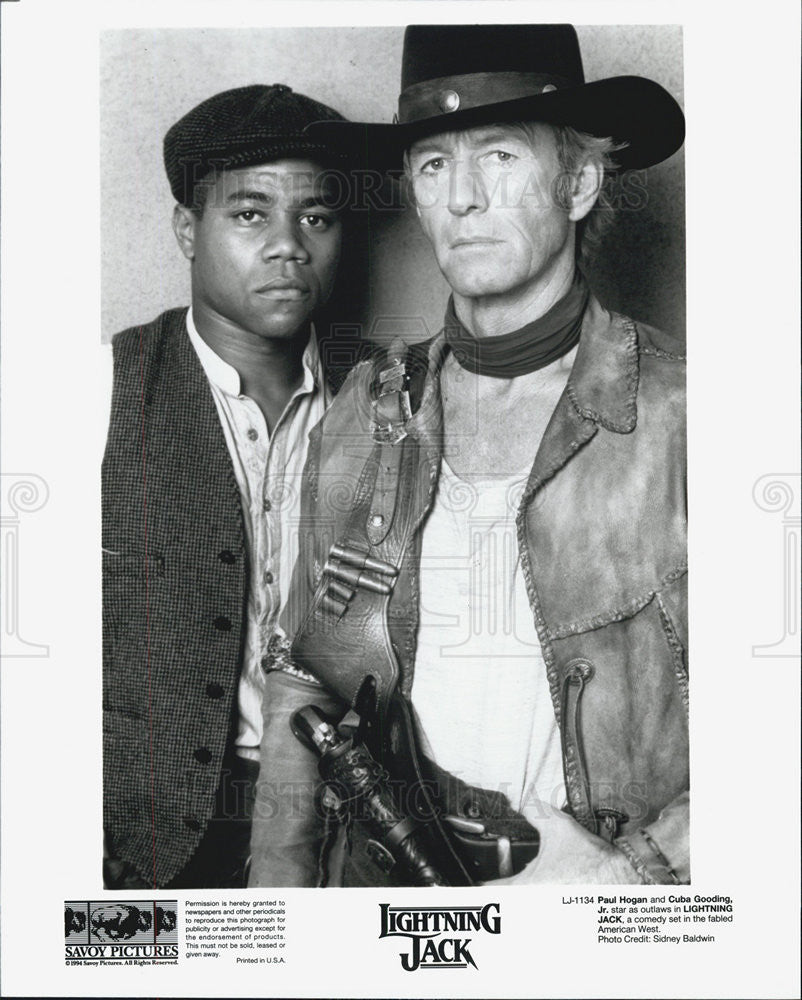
345,642
576,674
385,494
344,639
432,98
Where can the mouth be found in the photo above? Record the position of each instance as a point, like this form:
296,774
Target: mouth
474,241
284,289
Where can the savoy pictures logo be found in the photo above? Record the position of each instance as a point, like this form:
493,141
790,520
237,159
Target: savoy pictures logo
439,937
137,932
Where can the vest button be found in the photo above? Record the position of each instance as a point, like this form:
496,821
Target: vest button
191,823
222,624
215,690
227,557
203,755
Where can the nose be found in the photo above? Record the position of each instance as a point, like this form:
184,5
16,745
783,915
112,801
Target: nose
283,241
466,189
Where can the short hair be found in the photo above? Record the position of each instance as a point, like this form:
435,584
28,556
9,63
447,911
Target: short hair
574,149
200,193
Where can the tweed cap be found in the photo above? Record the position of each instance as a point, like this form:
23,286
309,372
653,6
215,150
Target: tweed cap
240,128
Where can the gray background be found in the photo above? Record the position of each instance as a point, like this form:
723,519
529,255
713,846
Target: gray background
150,78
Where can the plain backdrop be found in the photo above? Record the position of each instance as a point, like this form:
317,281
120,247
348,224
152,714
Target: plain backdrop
150,78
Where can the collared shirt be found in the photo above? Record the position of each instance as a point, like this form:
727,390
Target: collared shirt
268,469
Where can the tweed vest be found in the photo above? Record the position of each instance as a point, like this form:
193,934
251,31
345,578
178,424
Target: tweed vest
174,600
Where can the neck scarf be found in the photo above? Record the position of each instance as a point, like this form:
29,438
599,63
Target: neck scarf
526,350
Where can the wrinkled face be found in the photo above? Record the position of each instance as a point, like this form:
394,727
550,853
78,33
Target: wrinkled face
265,249
486,201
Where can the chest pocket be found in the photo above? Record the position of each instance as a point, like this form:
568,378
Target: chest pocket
607,532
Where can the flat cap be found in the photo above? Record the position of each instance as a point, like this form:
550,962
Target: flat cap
240,128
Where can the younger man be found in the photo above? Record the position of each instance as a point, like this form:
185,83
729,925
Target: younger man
210,415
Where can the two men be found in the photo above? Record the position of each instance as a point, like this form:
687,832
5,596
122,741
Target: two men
210,414
492,567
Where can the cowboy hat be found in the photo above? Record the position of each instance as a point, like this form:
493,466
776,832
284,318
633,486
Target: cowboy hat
456,77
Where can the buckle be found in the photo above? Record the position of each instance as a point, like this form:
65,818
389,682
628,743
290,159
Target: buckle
391,407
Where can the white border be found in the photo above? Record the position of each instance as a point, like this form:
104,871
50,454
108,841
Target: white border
742,86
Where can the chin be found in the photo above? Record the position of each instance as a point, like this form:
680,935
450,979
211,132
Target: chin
285,332
284,327
482,276
474,284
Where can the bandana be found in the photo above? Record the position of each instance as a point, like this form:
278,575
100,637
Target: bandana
526,350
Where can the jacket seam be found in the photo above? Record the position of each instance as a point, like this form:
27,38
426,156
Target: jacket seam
628,610
632,377
677,650
657,352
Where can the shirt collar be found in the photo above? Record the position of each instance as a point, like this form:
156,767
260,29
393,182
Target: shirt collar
226,377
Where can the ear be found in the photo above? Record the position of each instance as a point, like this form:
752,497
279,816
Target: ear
184,223
587,185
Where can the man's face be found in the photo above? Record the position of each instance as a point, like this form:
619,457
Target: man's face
265,248
485,198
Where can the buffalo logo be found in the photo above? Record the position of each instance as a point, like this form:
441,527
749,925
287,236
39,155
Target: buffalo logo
120,922
165,921
74,921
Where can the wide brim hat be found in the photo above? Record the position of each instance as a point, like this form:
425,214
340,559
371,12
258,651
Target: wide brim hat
456,77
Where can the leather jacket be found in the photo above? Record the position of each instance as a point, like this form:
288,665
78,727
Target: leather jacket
602,542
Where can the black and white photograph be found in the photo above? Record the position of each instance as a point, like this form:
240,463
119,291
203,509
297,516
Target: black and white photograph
398,536
483,566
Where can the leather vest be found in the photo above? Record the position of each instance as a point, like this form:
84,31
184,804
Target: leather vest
601,533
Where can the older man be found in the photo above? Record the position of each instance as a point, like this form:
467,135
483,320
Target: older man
210,414
493,576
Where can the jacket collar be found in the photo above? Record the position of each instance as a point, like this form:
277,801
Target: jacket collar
601,392
603,385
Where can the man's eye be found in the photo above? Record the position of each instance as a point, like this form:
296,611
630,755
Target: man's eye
249,215
433,166
502,156
312,221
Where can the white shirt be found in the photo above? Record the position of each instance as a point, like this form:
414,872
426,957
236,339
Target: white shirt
268,469
480,689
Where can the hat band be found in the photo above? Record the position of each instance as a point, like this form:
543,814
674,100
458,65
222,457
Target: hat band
433,98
